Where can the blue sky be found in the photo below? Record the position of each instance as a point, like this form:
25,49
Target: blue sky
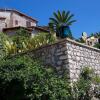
87,12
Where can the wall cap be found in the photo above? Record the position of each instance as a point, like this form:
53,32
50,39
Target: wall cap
71,41
81,44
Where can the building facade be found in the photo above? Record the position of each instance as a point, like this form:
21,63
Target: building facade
91,41
11,20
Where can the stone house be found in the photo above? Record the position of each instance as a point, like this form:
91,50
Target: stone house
11,20
91,41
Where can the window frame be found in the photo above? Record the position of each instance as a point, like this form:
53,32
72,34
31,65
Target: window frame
28,24
16,22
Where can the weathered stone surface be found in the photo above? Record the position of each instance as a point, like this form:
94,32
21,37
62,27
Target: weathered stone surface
69,55
81,57
63,57
59,63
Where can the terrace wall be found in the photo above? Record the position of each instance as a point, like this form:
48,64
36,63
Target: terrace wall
68,56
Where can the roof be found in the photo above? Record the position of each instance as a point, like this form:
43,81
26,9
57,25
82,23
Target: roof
29,28
18,12
14,28
39,28
45,27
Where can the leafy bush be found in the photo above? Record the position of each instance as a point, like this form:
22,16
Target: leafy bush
97,45
20,40
80,40
87,86
6,44
23,40
41,39
21,78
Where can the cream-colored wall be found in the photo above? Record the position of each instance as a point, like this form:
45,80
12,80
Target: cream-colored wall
2,25
21,20
7,20
91,41
10,20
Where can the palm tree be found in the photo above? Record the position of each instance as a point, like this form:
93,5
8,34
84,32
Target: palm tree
59,20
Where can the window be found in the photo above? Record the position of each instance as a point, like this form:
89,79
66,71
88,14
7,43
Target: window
5,24
16,22
28,24
90,42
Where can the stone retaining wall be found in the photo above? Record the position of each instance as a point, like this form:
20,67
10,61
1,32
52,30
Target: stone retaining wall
80,56
68,56
54,55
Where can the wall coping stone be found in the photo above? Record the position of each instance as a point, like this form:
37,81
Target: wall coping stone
71,41
82,45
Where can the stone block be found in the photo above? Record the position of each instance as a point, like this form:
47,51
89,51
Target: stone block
60,53
63,49
59,63
63,57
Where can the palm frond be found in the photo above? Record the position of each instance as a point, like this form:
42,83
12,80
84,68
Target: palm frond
69,18
60,16
71,22
63,15
54,21
56,16
66,15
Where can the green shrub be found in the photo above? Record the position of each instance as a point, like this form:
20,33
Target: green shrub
6,46
80,40
24,41
87,86
20,40
41,39
21,78
97,45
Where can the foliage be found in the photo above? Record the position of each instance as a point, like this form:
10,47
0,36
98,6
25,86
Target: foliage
24,41
21,78
59,19
97,34
80,40
97,45
92,34
2,50
41,39
85,87
11,45
7,46
20,39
